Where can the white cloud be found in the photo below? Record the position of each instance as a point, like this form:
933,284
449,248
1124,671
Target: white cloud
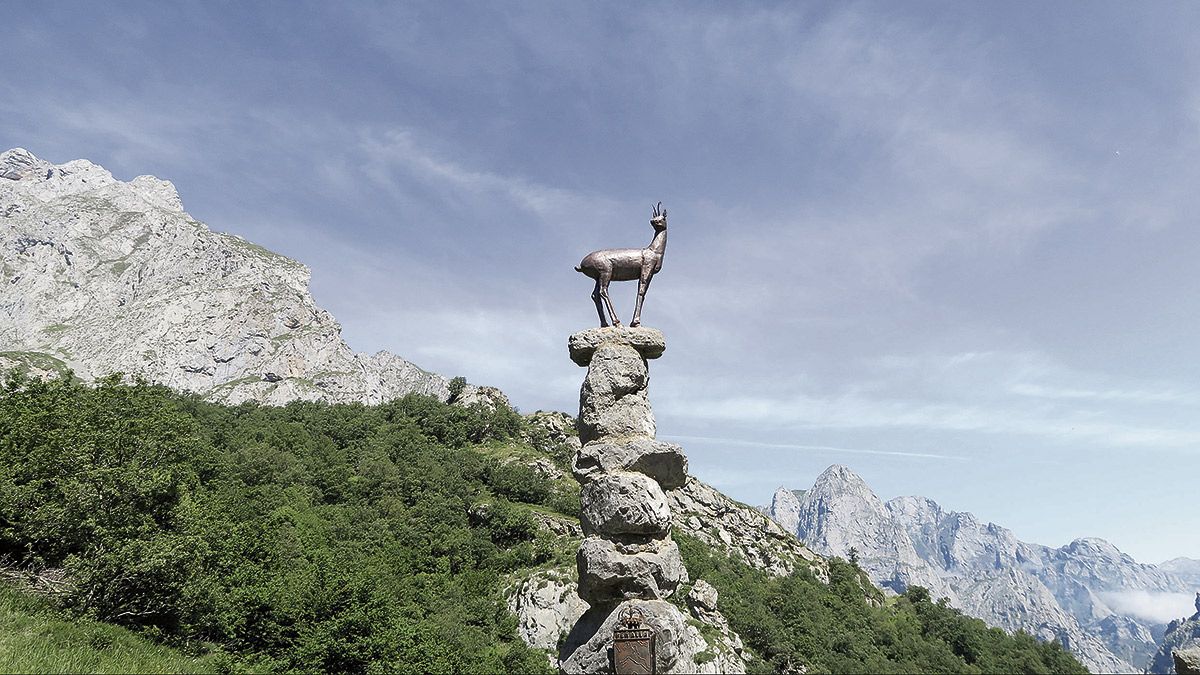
1161,608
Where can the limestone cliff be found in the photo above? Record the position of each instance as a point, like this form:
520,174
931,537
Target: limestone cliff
101,275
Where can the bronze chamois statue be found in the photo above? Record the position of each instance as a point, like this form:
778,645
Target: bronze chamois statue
627,264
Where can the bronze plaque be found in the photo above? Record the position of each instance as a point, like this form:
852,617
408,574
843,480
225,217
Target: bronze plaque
633,644
633,651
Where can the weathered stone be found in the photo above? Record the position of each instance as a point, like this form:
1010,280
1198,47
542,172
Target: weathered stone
664,462
616,370
606,574
677,643
625,417
1187,661
624,503
490,398
702,599
648,342
612,400
702,604
546,606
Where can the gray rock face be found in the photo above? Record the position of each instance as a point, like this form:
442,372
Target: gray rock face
785,509
740,531
624,503
1187,569
1187,661
1182,637
664,462
104,276
610,571
613,401
1056,594
679,644
546,605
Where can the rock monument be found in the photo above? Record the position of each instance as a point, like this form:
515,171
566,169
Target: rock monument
628,563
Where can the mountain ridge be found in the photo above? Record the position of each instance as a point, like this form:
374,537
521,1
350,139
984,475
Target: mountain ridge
1073,593
103,276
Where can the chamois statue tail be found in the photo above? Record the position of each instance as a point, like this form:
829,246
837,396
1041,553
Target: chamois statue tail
578,268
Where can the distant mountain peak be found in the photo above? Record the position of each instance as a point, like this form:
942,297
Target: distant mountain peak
15,164
840,479
1059,594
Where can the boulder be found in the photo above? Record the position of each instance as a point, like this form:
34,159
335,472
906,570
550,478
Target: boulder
588,648
702,599
664,462
648,570
546,606
624,503
648,342
613,401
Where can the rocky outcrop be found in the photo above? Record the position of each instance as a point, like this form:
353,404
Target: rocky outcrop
680,646
1180,644
546,605
785,509
1062,594
741,531
664,462
628,559
1187,661
103,276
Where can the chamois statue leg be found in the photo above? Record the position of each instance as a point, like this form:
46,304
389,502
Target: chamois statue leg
604,279
643,284
599,305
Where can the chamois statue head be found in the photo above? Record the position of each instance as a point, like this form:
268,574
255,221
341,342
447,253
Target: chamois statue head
659,221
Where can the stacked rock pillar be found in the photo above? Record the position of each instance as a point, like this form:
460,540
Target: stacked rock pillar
627,557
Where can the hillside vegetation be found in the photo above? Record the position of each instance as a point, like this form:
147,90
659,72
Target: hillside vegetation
307,537
846,626
350,538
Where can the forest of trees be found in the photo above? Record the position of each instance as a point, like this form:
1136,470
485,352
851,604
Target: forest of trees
351,538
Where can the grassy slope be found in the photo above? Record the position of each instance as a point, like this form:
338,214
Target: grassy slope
34,639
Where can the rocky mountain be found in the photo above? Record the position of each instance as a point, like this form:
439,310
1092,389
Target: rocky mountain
102,276
1187,569
1182,639
1072,594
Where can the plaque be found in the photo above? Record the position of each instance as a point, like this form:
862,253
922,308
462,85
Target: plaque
633,645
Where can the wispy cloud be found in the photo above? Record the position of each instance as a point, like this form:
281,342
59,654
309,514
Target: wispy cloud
1158,607
734,442
398,149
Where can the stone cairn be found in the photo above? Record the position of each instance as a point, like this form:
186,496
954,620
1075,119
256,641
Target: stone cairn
627,558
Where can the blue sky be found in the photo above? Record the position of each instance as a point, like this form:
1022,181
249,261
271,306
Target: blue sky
951,245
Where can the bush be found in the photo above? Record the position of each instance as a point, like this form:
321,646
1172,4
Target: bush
309,537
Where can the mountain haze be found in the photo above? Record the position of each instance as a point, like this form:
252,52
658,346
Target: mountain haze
1085,594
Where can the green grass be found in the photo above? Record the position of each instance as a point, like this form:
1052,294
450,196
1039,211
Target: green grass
26,361
35,639
56,328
